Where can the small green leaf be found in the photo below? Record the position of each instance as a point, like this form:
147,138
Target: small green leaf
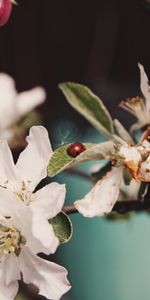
127,176
62,227
61,160
116,217
123,133
88,105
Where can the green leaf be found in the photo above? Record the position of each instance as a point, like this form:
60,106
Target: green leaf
88,105
116,217
127,176
123,133
61,160
62,227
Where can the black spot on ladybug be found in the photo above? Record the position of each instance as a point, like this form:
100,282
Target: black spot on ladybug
75,149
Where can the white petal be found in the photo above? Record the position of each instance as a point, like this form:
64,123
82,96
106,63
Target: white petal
144,170
36,230
10,206
102,197
27,101
8,292
9,269
43,231
144,85
130,153
8,111
50,278
9,274
49,200
33,161
7,166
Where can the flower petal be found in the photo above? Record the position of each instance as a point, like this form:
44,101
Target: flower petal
36,230
49,200
144,87
33,161
10,206
43,231
130,153
9,274
144,170
7,166
8,111
9,269
8,292
102,197
27,101
50,278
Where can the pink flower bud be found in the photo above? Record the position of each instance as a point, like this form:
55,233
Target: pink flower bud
5,11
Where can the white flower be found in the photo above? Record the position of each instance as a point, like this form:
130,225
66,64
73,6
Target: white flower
137,160
24,214
137,106
13,105
103,196
18,249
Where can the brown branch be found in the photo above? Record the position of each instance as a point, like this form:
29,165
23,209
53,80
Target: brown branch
121,207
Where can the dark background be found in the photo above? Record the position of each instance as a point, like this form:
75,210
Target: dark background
97,43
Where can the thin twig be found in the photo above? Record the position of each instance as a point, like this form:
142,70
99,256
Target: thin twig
121,207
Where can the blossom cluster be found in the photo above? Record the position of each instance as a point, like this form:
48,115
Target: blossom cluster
24,228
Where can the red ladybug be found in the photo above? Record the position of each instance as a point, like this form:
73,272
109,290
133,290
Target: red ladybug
75,149
5,11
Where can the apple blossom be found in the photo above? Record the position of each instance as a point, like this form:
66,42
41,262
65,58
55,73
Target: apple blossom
19,247
102,197
24,214
137,106
137,160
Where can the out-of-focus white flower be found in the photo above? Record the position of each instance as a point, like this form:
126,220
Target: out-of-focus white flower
13,105
24,214
103,196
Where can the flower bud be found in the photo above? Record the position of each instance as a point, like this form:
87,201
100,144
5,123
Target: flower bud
5,11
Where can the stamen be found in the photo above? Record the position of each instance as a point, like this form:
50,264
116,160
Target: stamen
11,240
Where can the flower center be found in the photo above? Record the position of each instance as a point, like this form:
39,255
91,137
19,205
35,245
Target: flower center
24,195
11,240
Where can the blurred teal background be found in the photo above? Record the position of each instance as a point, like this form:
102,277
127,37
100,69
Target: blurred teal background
106,260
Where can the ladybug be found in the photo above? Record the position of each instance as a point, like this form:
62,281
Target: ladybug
5,11
75,149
